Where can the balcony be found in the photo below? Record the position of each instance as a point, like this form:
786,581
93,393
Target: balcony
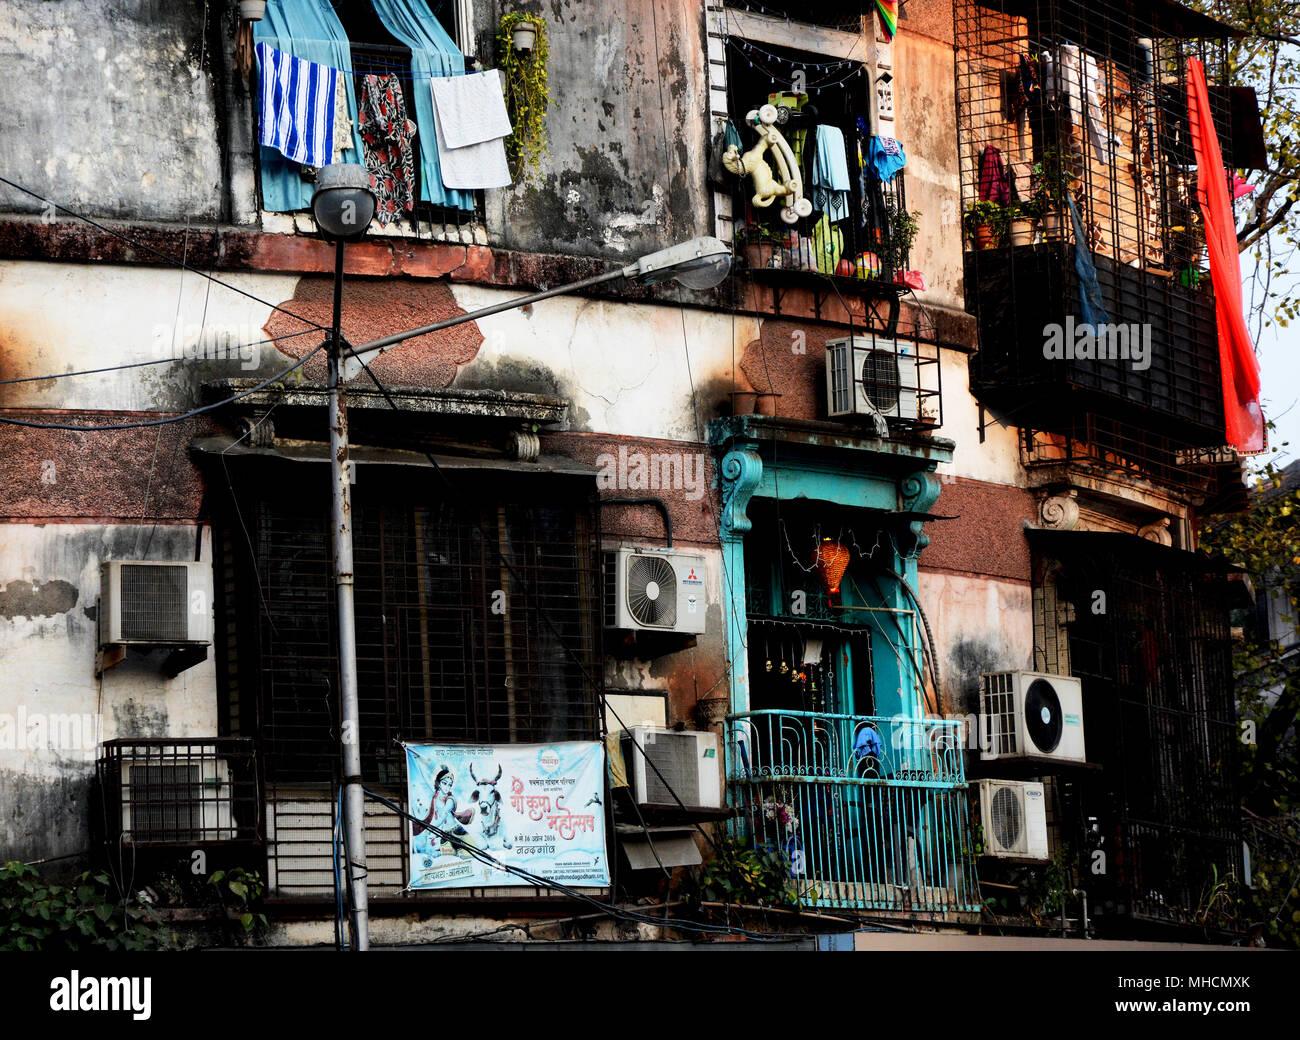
1170,384
871,811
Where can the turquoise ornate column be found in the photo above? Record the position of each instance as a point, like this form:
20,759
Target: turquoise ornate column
741,471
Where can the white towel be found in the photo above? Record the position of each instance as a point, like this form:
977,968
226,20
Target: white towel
471,109
480,165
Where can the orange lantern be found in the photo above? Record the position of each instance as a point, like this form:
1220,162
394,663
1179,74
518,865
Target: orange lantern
832,561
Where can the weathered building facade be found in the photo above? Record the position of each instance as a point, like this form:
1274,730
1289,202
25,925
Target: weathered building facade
146,239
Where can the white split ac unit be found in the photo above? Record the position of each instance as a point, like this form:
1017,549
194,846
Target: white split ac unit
176,799
687,766
866,375
153,603
1031,715
654,589
1013,814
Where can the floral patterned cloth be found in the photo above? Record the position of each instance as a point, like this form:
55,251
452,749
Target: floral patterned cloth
388,135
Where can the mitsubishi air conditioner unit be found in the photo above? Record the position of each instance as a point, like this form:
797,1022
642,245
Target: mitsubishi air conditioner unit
1014,819
1031,715
687,766
654,590
865,376
151,603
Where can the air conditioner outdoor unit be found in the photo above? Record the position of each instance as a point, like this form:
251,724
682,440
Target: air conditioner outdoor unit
865,375
1014,818
152,603
1031,715
687,764
176,799
654,589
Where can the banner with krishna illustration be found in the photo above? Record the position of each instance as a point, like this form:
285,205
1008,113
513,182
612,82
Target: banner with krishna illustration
537,810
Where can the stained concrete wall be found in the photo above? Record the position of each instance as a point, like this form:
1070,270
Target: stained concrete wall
49,607
116,108
628,133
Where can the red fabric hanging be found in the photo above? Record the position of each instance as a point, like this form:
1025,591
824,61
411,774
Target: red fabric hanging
1244,419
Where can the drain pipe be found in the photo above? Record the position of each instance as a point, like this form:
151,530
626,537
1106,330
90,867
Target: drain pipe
658,503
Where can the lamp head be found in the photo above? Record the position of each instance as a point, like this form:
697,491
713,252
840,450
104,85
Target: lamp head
343,204
700,264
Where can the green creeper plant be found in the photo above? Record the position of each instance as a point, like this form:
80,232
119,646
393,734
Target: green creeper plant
241,891
526,92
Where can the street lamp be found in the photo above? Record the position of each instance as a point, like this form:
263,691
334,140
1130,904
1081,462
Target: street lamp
343,206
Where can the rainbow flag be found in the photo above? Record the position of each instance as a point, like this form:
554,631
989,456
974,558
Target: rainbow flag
888,12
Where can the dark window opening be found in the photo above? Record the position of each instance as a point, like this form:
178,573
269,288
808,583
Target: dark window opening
452,644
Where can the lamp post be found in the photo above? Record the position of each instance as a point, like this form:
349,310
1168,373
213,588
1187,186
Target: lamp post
343,207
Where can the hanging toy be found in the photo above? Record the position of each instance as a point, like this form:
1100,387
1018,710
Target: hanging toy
768,187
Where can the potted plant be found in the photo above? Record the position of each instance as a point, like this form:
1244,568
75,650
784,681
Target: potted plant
985,222
523,72
1022,218
896,243
1052,181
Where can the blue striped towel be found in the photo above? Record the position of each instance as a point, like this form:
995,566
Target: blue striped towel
297,106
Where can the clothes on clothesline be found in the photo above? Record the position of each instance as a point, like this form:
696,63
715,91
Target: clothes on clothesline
1076,77
1091,308
994,185
887,156
297,99
388,136
830,175
471,125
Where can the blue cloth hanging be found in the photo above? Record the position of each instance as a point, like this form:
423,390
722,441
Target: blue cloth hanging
1091,308
831,174
887,156
867,744
311,30
433,53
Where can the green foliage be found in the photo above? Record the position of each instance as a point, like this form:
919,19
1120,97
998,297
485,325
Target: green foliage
986,213
900,232
1046,888
1265,540
1267,57
1053,175
38,915
526,91
241,891
742,875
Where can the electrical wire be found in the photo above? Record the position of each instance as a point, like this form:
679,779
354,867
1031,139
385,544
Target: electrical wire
143,424
135,243
145,364
609,909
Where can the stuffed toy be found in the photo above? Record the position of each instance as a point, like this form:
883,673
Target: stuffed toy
767,186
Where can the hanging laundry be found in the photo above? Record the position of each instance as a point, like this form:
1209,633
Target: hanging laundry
296,112
471,126
828,245
1091,308
1076,77
887,11
830,177
1025,89
1239,367
387,135
887,156
342,121
1240,187
994,186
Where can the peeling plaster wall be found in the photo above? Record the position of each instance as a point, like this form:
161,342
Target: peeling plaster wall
628,133
111,107
984,625
49,605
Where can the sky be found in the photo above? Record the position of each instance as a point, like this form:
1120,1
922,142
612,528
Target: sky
1279,356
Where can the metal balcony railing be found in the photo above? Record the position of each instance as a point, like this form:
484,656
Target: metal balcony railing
870,812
